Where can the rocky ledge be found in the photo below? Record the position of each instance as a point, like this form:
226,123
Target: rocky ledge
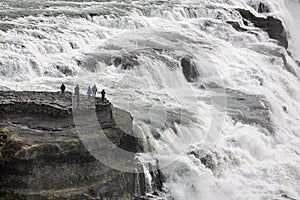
43,157
273,26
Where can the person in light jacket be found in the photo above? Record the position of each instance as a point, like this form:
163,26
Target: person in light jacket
89,91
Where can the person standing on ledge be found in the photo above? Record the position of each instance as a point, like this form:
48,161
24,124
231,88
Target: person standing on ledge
103,95
89,91
94,90
62,88
261,81
76,92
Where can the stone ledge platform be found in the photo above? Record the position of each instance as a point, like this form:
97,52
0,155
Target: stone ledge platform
42,156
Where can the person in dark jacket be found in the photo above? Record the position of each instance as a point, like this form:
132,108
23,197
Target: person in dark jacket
76,92
103,95
94,89
261,81
62,88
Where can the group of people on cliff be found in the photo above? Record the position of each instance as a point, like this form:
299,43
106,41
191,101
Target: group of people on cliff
90,91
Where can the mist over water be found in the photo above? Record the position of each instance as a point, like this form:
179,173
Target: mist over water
222,136
293,7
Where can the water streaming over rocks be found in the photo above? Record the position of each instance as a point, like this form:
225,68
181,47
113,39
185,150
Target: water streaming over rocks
213,86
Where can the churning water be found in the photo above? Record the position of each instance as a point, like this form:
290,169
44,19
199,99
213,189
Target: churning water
231,132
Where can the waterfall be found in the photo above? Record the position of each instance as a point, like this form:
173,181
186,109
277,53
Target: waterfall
213,92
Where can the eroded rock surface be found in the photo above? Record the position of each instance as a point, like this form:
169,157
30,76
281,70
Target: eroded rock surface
189,69
271,25
43,157
126,61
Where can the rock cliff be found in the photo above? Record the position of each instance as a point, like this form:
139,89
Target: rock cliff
274,27
42,156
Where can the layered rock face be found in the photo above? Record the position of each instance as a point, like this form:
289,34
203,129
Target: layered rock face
43,157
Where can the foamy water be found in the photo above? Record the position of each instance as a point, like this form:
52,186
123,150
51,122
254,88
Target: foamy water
44,43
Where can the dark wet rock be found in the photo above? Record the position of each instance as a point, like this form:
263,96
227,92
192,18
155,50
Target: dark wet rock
126,61
295,59
189,69
61,70
159,50
117,61
42,156
74,45
65,70
271,25
205,158
297,62
157,181
89,63
236,26
260,7
284,108
157,178
202,87
286,65
38,35
212,159
246,22
287,197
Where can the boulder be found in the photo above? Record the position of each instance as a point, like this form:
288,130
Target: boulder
189,69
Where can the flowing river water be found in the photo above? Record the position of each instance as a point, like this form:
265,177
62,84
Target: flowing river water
227,129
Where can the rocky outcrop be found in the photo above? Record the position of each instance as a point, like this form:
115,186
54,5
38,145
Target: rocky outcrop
189,69
236,26
126,61
260,7
271,25
42,156
130,60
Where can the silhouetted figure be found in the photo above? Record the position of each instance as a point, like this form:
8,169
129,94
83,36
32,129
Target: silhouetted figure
76,92
62,88
94,89
261,81
89,91
103,95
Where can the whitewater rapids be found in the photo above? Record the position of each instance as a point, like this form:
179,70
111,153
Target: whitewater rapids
222,136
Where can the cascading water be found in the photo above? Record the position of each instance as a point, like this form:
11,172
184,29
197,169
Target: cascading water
226,128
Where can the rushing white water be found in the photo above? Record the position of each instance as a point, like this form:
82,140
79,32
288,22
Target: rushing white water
294,10
202,152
